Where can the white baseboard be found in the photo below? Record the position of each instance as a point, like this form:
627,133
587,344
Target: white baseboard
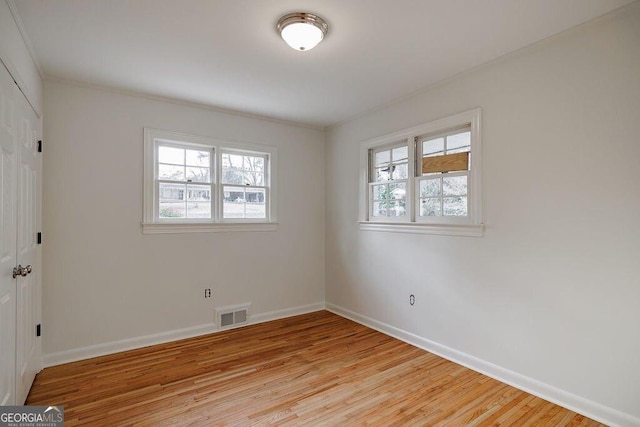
88,352
285,312
571,401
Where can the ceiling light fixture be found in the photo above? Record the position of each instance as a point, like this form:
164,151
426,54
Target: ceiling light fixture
302,31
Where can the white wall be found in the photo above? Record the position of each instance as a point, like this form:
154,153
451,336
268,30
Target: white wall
105,281
552,291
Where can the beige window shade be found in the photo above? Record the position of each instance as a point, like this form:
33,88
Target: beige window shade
446,163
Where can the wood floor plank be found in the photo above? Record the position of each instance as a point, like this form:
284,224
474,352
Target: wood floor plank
314,369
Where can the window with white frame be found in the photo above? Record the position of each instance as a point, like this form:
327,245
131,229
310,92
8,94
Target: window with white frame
194,183
184,186
388,187
244,185
443,174
425,179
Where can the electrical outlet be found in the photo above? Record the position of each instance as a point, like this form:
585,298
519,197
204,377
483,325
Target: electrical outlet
207,293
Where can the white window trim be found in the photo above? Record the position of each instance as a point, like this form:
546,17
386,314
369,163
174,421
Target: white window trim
243,150
471,226
408,199
153,225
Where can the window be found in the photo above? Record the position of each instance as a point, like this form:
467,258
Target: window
443,174
184,180
244,188
425,179
194,184
388,189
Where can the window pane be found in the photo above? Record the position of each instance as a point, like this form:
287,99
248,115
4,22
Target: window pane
225,160
172,210
256,210
454,186
198,174
382,174
398,191
255,195
400,171
379,209
230,176
172,200
430,207
236,161
455,206
172,192
459,142
234,202
198,193
198,158
397,207
171,172
232,161
380,192
233,210
199,210
433,147
430,187
400,154
397,202
254,178
383,158
243,202
234,194
253,163
255,203
171,155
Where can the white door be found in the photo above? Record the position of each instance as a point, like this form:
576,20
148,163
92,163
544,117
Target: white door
27,357
20,168
8,234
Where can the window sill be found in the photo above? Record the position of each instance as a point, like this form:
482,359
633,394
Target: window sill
476,230
206,227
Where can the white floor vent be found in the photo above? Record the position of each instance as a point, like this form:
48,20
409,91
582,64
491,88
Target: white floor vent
233,315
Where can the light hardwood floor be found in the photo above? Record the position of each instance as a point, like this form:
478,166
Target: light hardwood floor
314,369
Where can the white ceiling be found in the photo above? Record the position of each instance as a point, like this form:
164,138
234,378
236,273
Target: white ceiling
226,53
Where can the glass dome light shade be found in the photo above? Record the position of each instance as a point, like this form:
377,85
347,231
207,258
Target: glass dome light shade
302,31
302,36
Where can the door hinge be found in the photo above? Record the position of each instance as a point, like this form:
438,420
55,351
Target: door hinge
39,237
38,330
40,146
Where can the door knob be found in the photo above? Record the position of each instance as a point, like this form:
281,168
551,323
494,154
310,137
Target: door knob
21,271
